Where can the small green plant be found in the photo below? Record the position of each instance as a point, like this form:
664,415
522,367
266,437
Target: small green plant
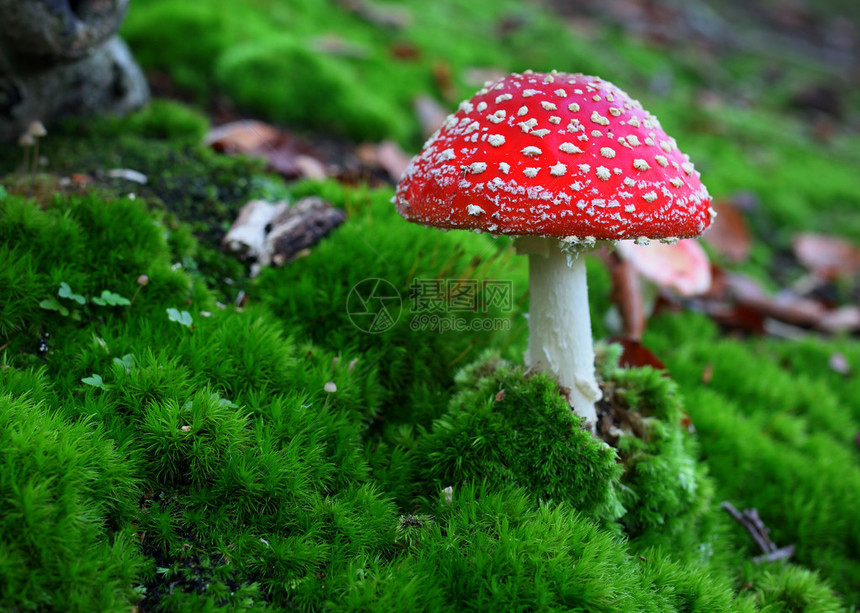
96,381
180,317
107,298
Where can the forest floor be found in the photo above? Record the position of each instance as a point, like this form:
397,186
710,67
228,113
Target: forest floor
188,429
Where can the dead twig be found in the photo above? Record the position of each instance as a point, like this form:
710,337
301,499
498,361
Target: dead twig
750,520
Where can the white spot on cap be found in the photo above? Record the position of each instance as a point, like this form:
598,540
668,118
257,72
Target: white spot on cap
596,98
504,167
497,117
531,151
466,106
629,182
477,167
548,106
540,133
560,93
584,168
649,197
688,168
531,172
596,133
661,159
573,107
607,152
676,182
569,148
633,140
603,173
666,146
482,106
599,119
558,170
527,93
496,140
633,121
555,119
576,186
503,98
526,126
614,111
474,210
640,164
446,156
472,127
523,110
630,208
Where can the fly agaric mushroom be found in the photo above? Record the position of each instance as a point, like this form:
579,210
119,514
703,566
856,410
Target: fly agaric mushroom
560,161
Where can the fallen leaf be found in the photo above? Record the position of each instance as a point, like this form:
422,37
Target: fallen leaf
244,136
636,355
500,395
729,234
431,115
841,319
392,158
830,257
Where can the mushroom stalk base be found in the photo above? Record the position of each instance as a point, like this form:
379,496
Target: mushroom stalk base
560,326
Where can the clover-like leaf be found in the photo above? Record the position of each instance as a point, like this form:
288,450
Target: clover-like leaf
180,317
66,292
51,304
108,298
96,381
126,362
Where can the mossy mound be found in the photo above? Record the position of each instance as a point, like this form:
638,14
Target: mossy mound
249,483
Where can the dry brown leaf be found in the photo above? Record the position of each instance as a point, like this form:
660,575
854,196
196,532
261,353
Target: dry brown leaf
842,319
785,306
244,136
431,115
257,139
829,257
729,234
392,158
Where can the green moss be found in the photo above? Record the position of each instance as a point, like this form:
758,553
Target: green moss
66,493
504,427
500,550
664,489
339,103
795,590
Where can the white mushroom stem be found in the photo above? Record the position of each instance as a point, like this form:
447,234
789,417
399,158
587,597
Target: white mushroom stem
559,322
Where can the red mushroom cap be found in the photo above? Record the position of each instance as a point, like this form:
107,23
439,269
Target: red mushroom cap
555,154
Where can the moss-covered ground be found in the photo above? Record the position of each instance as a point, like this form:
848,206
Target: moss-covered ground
165,449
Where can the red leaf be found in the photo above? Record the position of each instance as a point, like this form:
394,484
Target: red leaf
636,355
